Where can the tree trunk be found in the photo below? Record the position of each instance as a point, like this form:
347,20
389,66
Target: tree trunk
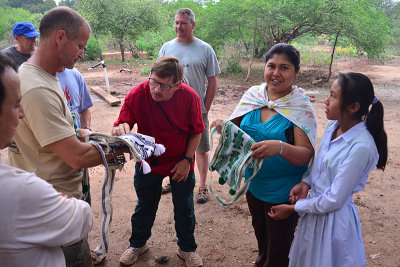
122,48
252,55
333,53
133,49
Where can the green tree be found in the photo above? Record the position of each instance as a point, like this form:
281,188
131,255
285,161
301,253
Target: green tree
10,16
392,10
68,3
124,20
34,6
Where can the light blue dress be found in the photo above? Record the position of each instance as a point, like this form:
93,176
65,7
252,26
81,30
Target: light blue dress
329,231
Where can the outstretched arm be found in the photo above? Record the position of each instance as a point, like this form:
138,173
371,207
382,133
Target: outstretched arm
79,155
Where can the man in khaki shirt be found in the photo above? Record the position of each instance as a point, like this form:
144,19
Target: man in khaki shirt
46,139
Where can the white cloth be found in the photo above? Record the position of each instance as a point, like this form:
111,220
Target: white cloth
329,231
294,106
36,220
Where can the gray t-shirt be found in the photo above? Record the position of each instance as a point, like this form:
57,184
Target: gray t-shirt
199,61
13,53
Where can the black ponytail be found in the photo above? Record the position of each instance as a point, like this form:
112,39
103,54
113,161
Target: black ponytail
375,127
357,87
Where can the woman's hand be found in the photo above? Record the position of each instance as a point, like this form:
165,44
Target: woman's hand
281,212
265,149
218,124
299,191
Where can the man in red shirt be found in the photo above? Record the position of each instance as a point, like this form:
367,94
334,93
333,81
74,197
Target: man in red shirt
170,111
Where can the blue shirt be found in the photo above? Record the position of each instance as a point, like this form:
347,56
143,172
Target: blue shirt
275,179
329,232
75,91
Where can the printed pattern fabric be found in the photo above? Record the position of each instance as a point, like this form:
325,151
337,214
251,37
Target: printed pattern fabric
141,146
294,106
231,158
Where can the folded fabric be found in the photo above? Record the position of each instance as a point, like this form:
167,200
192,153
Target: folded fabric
231,158
141,146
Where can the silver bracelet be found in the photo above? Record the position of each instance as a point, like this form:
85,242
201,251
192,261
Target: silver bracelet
280,142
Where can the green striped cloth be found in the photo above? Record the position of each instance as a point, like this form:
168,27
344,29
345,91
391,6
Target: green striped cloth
231,158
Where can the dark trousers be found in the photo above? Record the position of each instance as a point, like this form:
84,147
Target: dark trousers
274,237
148,191
78,254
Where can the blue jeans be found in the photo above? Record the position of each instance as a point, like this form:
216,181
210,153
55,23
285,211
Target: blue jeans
148,191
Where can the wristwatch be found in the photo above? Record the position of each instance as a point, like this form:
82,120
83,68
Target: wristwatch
190,160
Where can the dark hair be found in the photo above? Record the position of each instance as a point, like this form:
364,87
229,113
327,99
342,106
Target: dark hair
188,12
288,50
5,62
357,87
62,18
168,66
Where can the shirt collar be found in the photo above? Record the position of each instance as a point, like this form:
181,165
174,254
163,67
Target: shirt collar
352,132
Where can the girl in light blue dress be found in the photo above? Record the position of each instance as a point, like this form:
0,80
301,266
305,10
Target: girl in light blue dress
354,143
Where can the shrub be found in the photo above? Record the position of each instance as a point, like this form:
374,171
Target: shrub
92,50
233,65
145,71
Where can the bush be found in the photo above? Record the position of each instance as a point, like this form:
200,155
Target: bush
92,50
349,51
145,71
151,42
233,65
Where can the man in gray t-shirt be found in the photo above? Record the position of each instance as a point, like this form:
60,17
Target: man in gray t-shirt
26,36
200,65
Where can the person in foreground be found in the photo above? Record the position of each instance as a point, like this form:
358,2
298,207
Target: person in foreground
35,219
46,140
281,119
170,111
354,143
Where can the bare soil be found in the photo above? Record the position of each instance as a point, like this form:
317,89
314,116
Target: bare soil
224,235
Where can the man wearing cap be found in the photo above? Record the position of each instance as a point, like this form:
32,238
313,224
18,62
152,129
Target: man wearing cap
26,36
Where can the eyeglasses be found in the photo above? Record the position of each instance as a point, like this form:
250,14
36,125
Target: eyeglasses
30,39
163,86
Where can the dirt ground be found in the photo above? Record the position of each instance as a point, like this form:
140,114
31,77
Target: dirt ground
224,235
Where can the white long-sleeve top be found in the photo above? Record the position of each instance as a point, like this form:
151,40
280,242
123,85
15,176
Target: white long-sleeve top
35,220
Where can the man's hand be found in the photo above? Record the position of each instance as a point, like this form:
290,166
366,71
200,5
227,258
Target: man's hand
181,171
299,191
120,129
281,212
83,133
